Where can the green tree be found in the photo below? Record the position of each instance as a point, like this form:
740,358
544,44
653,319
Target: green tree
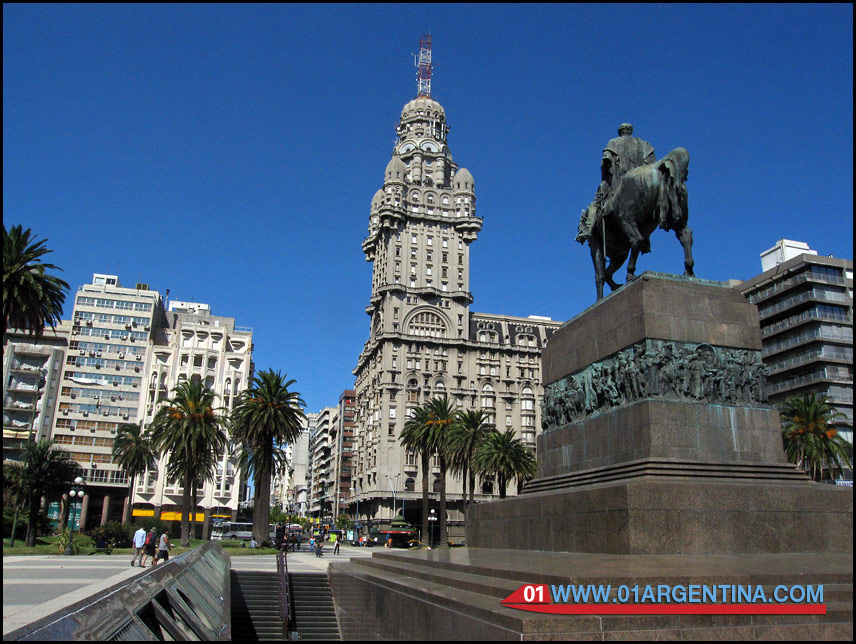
808,439
415,437
44,470
470,432
267,415
31,297
190,430
134,453
506,457
441,424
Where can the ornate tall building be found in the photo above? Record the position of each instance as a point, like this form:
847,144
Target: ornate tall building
423,339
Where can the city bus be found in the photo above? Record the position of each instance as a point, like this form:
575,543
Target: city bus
234,530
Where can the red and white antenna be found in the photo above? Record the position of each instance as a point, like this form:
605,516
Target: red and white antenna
424,67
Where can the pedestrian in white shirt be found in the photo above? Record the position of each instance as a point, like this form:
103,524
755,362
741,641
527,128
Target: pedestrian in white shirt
139,545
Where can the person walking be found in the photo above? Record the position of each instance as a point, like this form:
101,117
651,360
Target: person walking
338,542
139,546
164,546
149,550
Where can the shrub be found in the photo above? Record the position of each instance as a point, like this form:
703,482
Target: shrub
63,538
114,533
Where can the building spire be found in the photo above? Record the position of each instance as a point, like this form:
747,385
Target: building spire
424,67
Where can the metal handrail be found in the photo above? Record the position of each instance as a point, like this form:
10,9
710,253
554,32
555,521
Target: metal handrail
284,594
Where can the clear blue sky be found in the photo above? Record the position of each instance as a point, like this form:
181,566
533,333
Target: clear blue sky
229,153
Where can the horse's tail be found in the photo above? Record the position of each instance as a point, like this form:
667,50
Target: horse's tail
671,200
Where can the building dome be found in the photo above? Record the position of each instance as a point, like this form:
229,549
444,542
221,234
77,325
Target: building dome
377,200
428,106
463,181
395,171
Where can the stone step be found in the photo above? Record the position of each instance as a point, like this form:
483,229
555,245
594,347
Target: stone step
486,618
501,588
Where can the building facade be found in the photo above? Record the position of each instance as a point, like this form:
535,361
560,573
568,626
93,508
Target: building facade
125,355
423,339
805,304
189,343
32,372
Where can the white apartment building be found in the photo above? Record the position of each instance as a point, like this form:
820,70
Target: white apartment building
193,344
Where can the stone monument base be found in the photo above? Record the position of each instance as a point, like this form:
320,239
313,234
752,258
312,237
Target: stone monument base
693,511
456,595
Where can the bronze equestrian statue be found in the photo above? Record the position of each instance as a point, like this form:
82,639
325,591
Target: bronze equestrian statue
637,195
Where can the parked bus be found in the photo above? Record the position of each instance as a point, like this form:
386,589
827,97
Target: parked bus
240,531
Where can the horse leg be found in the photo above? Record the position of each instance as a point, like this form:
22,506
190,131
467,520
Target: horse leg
631,265
685,236
634,237
615,263
598,260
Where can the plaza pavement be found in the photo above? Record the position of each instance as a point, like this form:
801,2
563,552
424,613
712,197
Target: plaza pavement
35,586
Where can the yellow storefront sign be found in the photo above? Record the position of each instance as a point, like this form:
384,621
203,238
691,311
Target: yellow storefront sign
166,516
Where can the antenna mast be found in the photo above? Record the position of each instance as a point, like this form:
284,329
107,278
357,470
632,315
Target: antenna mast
424,67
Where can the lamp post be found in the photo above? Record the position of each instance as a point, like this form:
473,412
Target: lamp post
431,520
78,491
389,478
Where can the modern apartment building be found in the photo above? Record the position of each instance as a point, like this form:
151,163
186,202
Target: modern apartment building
299,472
125,355
32,371
103,383
423,339
321,445
342,436
805,303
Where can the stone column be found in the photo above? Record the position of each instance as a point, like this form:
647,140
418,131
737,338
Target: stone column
105,509
84,511
126,510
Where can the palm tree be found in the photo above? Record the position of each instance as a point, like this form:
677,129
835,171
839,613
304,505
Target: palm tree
267,415
415,437
44,470
31,297
470,432
134,453
441,423
505,456
190,430
809,441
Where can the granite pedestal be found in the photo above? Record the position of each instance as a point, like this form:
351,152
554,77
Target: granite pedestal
696,467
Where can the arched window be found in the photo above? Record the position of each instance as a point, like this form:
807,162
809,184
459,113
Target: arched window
409,485
487,487
488,399
427,324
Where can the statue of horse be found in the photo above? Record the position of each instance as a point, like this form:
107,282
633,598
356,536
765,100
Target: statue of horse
648,197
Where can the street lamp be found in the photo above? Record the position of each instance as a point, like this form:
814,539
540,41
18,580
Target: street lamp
389,478
78,491
432,518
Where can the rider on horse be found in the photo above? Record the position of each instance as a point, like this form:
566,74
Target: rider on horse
621,155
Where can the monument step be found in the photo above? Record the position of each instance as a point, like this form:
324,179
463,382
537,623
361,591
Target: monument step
486,617
499,587
669,469
615,570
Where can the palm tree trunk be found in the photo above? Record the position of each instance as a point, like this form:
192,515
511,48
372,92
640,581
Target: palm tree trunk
261,509
425,463
30,540
126,515
466,483
444,530
185,511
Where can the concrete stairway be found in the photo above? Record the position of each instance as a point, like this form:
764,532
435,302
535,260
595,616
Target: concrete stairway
314,615
456,595
256,611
